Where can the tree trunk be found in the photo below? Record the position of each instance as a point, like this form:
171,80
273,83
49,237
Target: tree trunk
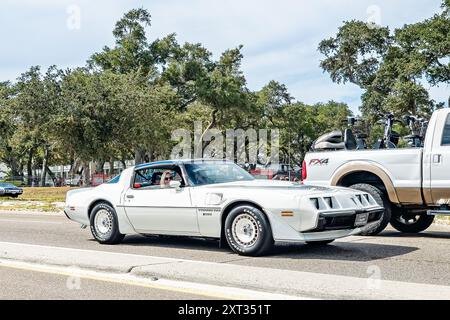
139,156
72,166
51,174
30,168
14,169
99,166
150,156
200,147
111,166
86,174
44,165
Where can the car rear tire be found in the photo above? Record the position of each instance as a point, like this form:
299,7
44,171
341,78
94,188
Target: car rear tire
104,224
410,222
248,231
381,198
319,243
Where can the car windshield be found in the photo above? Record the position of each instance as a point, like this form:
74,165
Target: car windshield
211,173
6,185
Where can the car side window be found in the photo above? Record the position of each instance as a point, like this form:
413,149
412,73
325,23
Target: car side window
156,178
446,133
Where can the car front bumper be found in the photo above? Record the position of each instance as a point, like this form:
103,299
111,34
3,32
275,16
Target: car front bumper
8,193
283,232
328,235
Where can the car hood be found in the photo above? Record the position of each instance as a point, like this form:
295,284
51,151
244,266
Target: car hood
278,185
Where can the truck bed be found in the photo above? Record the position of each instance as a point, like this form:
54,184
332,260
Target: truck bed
402,169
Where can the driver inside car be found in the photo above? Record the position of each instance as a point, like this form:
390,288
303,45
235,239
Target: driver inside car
166,177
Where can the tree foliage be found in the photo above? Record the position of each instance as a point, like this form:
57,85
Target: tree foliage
392,68
129,97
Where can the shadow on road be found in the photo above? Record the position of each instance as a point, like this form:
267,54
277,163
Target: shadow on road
426,234
347,251
342,251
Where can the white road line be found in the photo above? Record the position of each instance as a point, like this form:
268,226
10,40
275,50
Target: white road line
104,252
198,289
29,221
33,213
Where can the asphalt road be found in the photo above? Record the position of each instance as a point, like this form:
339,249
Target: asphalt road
422,258
31,285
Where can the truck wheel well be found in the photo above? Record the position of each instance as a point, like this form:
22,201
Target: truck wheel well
362,177
96,202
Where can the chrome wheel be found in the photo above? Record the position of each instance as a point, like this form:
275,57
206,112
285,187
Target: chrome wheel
245,230
103,223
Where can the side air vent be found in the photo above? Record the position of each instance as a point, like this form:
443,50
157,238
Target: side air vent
315,202
329,201
325,203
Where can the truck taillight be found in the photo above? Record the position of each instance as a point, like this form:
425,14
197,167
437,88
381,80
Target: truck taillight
304,174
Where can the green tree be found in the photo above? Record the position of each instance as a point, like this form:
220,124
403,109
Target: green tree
301,124
131,52
8,151
391,67
36,103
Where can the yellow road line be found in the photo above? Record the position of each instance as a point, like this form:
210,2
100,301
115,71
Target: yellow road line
108,278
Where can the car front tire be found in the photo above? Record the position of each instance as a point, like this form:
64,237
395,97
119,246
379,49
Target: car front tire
104,224
382,200
248,231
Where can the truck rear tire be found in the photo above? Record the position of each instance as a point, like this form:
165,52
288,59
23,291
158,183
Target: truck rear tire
382,200
409,222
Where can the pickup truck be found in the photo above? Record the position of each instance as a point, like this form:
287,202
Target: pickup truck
413,184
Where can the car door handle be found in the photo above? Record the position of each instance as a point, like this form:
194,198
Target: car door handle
437,158
130,196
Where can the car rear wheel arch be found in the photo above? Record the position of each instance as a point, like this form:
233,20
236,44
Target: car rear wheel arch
96,202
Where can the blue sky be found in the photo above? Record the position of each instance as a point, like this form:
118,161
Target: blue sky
280,37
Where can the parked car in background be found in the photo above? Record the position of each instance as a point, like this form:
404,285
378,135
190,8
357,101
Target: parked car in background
73,182
217,199
9,190
413,184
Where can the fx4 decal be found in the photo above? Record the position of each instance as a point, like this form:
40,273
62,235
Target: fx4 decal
318,162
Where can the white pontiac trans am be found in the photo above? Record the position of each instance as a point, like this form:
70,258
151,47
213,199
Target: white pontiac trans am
217,199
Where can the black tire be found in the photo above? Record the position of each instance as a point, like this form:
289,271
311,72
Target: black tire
381,198
319,243
259,244
410,222
112,236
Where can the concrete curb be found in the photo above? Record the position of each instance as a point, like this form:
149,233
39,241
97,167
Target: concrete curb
278,281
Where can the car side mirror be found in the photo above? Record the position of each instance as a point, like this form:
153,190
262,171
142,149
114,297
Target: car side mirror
175,184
